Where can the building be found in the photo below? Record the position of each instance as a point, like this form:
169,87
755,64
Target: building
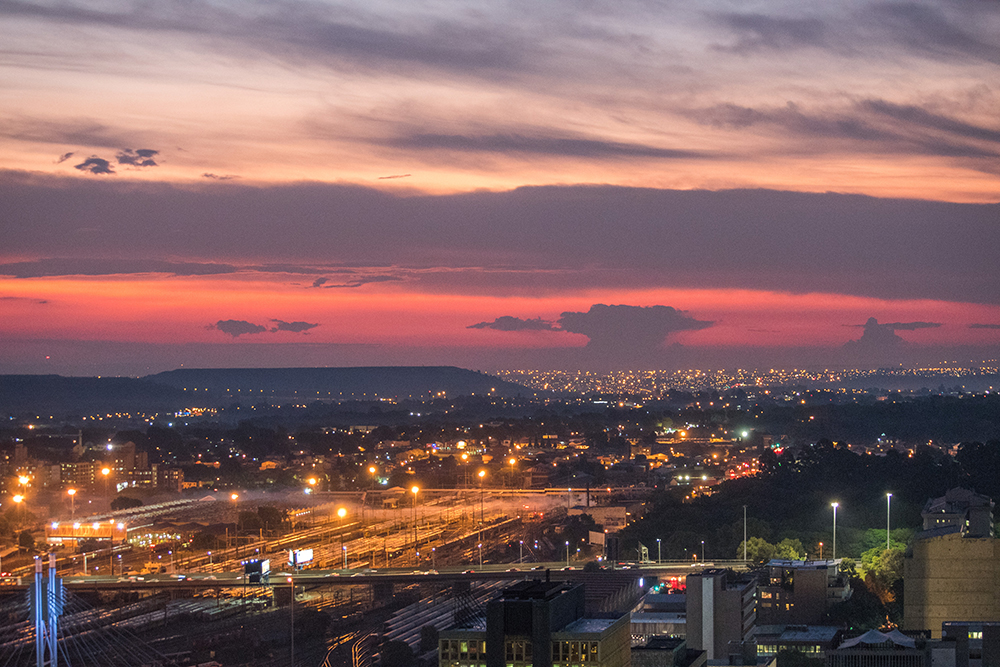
959,510
720,612
813,641
666,652
891,649
799,592
541,624
976,644
951,577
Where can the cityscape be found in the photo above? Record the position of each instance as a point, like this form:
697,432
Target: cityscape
261,528
369,333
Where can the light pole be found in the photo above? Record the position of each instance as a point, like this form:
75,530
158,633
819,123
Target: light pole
291,587
744,533
416,556
567,554
703,552
834,506
482,515
106,472
888,502
480,555
72,503
19,499
512,462
236,530
658,558
371,471
345,556
520,552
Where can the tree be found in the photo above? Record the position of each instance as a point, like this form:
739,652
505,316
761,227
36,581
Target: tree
310,623
789,549
26,540
758,550
124,503
271,517
395,653
249,521
428,638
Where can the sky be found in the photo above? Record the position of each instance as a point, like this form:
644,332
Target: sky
496,185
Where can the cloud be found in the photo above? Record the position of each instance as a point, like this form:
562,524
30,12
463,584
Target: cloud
871,124
931,32
217,177
65,156
237,328
359,282
640,327
295,327
107,267
95,165
24,298
538,145
385,178
509,323
142,157
757,32
984,326
319,282
909,326
879,343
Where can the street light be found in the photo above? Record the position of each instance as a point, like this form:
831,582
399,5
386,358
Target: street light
415,489
834,506
703,552
567,554
482,515
888,502
18,499
658,558
106,472
371,471
72,502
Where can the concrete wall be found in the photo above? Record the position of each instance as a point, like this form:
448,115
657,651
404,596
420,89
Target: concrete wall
951,578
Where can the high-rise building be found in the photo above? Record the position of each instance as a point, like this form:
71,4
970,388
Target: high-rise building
720,612
540,624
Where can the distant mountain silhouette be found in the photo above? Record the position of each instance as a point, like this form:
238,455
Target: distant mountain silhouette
52,394
218,386
399,382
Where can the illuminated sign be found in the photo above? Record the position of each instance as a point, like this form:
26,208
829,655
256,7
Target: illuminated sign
300,557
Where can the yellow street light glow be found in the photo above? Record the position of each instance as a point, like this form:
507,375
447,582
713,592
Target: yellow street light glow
482,473
23,479
105,471
71,492
234,496
372,470
512,461
415,490
18,498
341,512
312,481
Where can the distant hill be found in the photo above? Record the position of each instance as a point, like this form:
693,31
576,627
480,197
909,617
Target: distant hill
398,382
51,394
173,390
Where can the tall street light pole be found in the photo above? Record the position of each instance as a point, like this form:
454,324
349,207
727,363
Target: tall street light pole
888,502
834,506
659,559
72,502
703,552
744,533
416,554
482,514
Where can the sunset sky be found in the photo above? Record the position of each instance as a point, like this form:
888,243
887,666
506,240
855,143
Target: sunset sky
635,184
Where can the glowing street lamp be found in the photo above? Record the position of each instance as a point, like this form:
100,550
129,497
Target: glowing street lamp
72,502
415,490
482,513
105,472
834,506
888,502
371,471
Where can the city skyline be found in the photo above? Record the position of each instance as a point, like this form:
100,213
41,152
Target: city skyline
653,186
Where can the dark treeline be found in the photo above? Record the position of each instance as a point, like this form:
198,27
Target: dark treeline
792,498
